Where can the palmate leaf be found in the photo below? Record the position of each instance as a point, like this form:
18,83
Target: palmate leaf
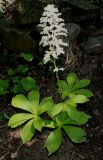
57,109
71,79
38,123
27,132
64,119
63,88
78,116
45,105
79,99
18,119
84,92
77,135
53,141
33,97
20,101
81,84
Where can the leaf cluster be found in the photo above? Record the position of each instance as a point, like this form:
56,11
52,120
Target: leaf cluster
63,116
4,85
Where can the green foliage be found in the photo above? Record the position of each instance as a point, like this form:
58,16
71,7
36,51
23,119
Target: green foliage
10,72
73,87
17,88
35,109
27,56
53,141
28,83
24,84
63,116
22,69
19,83
63,122
4,84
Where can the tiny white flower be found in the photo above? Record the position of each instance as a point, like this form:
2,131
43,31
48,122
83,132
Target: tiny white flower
52,30
58,69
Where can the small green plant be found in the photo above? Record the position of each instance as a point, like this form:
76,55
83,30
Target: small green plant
73,86
27,56
4,85
22,69
28,83
25,84
18,81
62,122
64,116
34,108
11,72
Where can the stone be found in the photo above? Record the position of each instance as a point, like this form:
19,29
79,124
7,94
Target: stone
28,11
93,44
16,41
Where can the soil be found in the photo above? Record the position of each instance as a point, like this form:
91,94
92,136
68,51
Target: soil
11,146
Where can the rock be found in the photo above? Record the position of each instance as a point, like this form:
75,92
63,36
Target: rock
16,41
82,4
28,11
73,32
93,45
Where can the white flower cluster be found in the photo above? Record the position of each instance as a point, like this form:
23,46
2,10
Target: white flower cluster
52,30
5,3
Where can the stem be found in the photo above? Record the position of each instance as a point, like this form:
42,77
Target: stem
57,76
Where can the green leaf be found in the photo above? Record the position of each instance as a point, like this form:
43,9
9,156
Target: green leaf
27,132
27,56
50,124
71,79
20,101
11,72
28,83
78,116
33,97
57,109
64,118
17,88
84,92
81,83
18,119
63,88
53,141
3,91
78,99
77,135
22,69
4,83
45,105
16,79
38,123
